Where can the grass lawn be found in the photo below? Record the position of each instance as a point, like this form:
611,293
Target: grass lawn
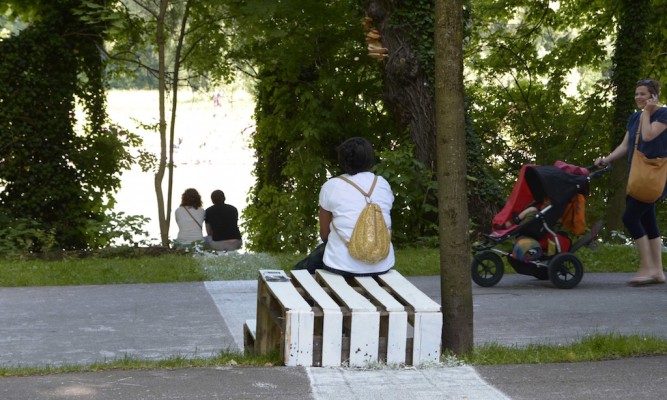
239,266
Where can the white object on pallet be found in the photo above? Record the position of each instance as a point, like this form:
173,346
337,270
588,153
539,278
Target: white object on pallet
297,329
397,326
364,322
427,317
332,320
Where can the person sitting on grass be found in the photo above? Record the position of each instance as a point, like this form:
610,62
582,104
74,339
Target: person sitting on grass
189,218
222,224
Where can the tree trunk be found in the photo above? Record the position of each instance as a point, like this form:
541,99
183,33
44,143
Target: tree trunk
407,91
456,287
174,104
632,30
162,88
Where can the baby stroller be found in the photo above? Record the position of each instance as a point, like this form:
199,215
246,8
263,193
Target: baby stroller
545,200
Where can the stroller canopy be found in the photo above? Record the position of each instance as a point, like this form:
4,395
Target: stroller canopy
557,183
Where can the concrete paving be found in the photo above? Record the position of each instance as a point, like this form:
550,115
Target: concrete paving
78,325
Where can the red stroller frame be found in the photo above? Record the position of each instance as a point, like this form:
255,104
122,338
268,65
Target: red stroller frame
548,189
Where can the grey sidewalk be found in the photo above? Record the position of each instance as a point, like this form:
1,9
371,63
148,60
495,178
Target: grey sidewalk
82,324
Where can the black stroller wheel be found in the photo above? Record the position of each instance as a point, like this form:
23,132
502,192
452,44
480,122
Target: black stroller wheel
565,270
487,268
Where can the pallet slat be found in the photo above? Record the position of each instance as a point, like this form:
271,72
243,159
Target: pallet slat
332,319
364,324
396,324
408,292
427,319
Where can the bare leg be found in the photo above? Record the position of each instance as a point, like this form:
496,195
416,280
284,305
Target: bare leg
650,262
645,261
656,259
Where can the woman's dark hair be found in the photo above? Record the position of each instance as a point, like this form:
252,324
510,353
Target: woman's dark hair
218,197
652,85
356,155
191,198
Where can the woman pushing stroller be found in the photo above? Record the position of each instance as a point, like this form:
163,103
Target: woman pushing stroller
639,217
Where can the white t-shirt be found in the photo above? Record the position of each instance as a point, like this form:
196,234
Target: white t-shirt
188,229
345,203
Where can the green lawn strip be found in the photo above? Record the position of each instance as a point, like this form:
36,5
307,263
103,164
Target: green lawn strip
130,363
239,266
596,347
604,258
100,271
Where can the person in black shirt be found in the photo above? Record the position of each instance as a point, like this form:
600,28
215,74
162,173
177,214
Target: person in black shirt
222,224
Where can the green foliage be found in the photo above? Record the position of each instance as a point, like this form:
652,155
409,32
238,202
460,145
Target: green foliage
51,174
118,228
414,213
21,236
307,104
520,56
655,44
132,60
523,59
130,26
416,20
485,193
315,87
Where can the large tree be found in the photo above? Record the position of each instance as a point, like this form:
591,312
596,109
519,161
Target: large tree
315,87
330,88
406,31
629,46
58,176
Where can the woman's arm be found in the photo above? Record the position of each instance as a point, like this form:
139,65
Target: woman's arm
651,130
325,222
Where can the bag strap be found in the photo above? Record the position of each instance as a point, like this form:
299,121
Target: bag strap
639,130
370,191
193,218
366,195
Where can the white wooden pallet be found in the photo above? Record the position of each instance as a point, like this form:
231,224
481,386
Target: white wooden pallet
328,320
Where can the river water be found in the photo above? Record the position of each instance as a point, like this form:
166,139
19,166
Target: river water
211,150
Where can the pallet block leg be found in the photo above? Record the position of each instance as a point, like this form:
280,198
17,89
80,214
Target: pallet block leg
364,338
427,333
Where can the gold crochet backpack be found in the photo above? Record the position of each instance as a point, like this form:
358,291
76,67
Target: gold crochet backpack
371,239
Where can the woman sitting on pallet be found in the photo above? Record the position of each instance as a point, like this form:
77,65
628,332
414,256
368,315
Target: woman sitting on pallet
355,221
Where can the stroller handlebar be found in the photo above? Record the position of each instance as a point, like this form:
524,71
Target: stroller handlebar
600,171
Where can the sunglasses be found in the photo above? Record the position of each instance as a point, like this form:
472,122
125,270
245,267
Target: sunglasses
645,82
